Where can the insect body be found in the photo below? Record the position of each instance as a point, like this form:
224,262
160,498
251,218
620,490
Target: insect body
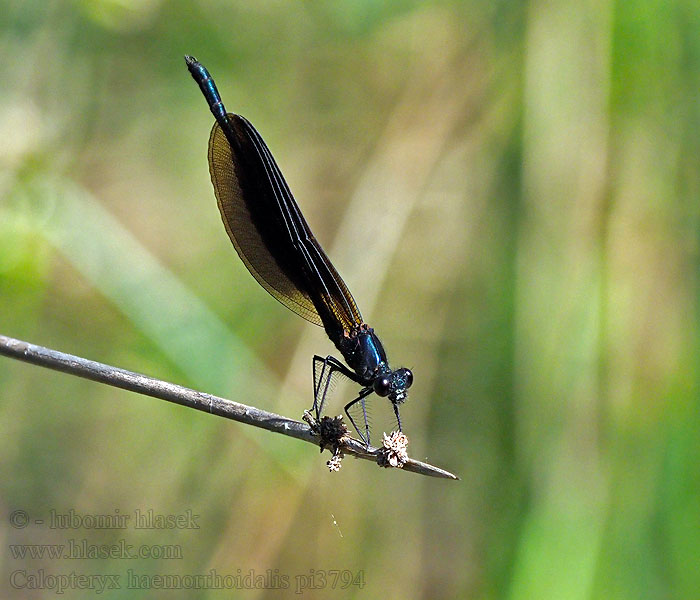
274,241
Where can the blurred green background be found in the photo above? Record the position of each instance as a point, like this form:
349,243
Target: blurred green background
510,189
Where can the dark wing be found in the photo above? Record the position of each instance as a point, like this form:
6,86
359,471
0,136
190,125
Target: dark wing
269,232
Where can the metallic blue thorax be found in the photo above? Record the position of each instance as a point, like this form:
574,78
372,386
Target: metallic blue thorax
365,354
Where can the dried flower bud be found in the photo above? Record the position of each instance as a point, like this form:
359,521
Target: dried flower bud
393,453
334,463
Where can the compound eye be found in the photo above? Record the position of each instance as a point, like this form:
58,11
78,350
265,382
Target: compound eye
382,386
409,377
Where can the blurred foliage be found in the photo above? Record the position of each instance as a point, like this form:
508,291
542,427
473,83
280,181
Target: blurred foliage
511,190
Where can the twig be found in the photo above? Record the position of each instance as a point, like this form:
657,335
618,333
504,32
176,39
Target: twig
142,384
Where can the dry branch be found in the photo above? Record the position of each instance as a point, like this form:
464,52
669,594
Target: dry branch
142,384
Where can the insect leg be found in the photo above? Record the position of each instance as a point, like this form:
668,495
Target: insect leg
324,371
363,393
396,410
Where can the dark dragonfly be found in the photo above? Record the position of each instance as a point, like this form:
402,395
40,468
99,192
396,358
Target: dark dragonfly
274,241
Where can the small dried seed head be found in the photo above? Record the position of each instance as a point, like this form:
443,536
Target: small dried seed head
334,463
393,452
331,430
